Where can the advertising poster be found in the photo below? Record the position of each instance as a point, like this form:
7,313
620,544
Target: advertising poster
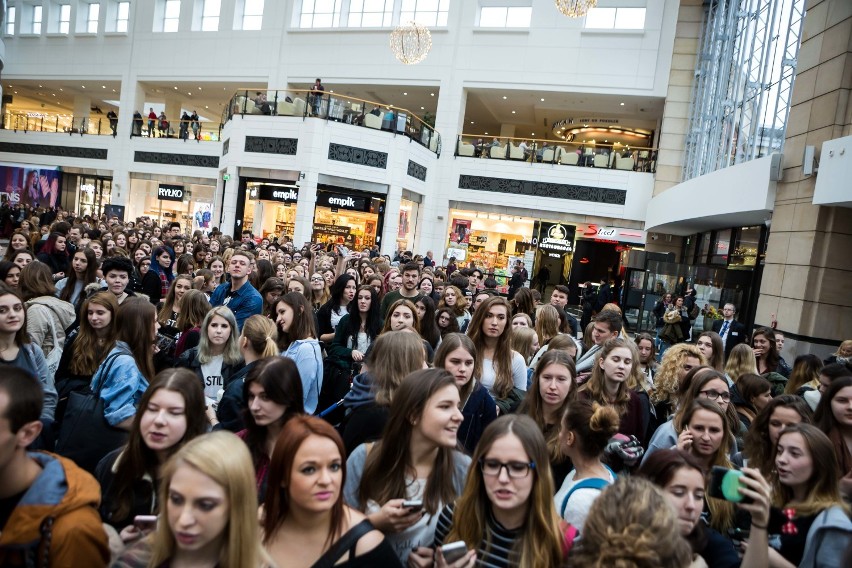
202,216
460,231
35,186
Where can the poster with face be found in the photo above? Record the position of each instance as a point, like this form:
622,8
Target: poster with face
202,215
35,186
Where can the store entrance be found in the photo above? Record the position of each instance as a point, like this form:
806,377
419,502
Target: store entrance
93,193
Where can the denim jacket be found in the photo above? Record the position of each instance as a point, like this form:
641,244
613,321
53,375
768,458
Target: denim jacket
307,355
122,387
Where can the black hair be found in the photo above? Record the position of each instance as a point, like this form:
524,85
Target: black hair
25,397
119,263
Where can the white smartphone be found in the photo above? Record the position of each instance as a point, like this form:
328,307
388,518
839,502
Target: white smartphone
454,551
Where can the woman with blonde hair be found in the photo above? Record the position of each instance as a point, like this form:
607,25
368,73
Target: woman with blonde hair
677,361
547,324
216,357
393,356
505,515
455,300
209,509
805,375
525,342
741,361
843,354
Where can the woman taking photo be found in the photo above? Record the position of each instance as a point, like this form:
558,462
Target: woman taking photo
504,372
54,254
552,389
393,357
171,413
297,340
273,394
584,434
457,356
306,521
759,442
807,483
87,346
329,315
208,510
711,346
683,480
157,281
353,338
608,385
454,300
705,435
217,356
505,515
415,460
84,271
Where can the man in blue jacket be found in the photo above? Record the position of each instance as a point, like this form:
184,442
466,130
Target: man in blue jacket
238,294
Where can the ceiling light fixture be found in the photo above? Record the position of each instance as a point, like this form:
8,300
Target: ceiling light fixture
513,112
405,94
431,94
542,100
504,97
622,104
575,8
410,43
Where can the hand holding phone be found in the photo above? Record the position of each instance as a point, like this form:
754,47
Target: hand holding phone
412,505
725,484
453,551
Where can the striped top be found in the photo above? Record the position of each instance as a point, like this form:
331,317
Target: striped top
495,549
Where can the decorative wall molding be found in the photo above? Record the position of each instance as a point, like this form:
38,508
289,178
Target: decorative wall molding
270,145
52,150
543,189
415,170
358,156
177,159
226,146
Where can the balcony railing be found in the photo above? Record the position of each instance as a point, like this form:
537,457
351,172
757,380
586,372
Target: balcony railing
200,131
592,155
334,107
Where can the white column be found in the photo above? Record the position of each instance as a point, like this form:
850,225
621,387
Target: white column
82,110
305,208
389,231
228,212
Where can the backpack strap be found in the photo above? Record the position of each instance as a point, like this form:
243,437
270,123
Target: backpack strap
588,483
346,542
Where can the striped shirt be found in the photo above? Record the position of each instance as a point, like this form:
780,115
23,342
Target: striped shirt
495,549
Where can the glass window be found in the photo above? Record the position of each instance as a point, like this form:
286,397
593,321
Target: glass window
253,15
92,17
210,15
64,18
615,19
37,15
721,247
370,13
505,16
122,16
171,17
320,14
11,13
703,248
745,251
425,12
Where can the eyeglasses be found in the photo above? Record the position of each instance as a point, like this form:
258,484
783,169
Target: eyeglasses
713,395
317,279
515,470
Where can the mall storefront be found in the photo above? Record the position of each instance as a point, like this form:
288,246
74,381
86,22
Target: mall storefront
270,210
571,252
190,204
348,217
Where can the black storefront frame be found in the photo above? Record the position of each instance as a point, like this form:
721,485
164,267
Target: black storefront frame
324,190
242,190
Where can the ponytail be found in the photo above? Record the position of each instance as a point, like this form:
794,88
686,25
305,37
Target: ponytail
262,336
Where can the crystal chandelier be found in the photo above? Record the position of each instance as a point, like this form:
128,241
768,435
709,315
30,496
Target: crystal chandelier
410,43
575,8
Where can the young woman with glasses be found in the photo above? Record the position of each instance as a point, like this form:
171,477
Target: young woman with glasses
505,516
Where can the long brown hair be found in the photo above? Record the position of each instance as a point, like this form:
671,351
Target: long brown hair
540,540
389,468
277,503
717,361
533,405
757,446
393,356
450,343
89,353
303,320
89,277
135,323
138,459
169,303
194,307
503,378
595,387
36,281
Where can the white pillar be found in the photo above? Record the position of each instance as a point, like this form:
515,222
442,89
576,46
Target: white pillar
305,208
391,228
82,110
227,215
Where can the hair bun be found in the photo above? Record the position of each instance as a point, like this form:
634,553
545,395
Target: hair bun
604,419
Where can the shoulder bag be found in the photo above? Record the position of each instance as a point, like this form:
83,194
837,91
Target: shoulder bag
85,436
346,542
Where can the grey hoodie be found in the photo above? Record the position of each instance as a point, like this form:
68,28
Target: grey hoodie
827,540
44,311
361,392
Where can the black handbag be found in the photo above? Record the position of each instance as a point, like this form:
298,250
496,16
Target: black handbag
85,436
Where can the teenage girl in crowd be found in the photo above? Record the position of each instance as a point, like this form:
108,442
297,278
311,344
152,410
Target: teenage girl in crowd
446,321
754,393
504,371
585,431
711,346
402,315
805,375
505,515
457,356
454,300
171,413
158,279
320,293
766,353
208,510
329,315
552,390
834,417
194,308
273,394
306,521
759,442
169,309
298,341
415,460
428,325
217,356
10,274
84,271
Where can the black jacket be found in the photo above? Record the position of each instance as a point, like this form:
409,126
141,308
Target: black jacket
479,411
189,360
144,490
736,334
230,410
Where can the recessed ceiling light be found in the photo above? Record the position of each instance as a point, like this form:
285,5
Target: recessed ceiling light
472,122
188,93
199,88
431,94
422,108
113,90
60,88
542,100
486,133
406,94
84,86
54,94
206,106
175,88
513,112
622,104
533,134
504,97
103,86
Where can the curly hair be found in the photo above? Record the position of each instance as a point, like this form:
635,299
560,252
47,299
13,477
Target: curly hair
631,525
666,380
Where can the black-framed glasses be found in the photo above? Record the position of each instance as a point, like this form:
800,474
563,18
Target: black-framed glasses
516,470
714,395
317,279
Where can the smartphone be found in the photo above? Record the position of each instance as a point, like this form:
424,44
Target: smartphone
414,505
725,484
454,551
145,522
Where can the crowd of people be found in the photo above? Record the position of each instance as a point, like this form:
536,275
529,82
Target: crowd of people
194,400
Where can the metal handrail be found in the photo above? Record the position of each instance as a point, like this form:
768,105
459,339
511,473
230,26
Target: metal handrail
102,126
